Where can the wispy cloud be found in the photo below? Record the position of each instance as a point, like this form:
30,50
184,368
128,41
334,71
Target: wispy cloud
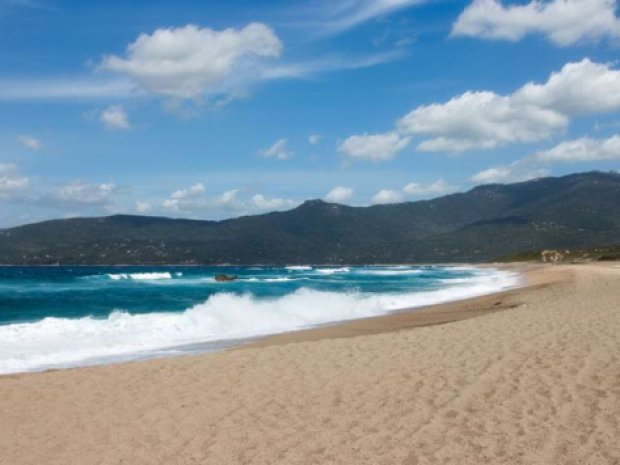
330,17
330,64
30,142
70,88
24,4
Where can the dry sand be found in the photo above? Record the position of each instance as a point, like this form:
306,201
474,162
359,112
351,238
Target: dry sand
534,378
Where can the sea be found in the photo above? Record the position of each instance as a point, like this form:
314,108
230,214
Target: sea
61,317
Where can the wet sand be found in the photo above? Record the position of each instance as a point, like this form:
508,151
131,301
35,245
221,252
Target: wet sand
527,376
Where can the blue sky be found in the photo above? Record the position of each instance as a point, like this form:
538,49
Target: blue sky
217,109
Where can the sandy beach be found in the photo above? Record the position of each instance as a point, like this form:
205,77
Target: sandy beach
527,376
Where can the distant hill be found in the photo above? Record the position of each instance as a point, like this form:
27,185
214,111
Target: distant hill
578,211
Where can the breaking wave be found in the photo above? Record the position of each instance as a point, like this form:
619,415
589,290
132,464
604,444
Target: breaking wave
62,342
142,276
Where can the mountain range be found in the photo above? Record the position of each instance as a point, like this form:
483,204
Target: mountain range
577,211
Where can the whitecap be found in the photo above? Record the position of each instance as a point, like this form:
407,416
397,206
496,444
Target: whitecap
63,342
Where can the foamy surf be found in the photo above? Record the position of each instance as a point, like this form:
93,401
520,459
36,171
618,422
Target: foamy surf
333,270
224,316
142,276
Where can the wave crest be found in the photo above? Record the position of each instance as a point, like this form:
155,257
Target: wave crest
62,342
142,276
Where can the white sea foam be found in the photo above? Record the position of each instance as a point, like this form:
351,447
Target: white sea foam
332,270
62,342
142,276
299,268
281,279
391,272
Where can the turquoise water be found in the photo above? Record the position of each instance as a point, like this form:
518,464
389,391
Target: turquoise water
70,316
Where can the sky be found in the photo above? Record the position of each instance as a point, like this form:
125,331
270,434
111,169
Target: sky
211,109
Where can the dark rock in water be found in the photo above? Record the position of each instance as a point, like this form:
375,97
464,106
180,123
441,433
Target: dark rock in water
225,278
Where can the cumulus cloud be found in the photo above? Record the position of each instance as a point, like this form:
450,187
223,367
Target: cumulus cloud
486,120
514,172
262,202
438,187
583,149
228,200
195,202
115,118
187,200
30,142
387,196
563,22
339,194
413,189
278,150
373,146
190,61
83,193
479,120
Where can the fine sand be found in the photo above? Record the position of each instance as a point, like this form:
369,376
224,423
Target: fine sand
529,376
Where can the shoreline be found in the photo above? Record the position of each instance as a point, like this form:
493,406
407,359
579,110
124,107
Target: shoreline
415,317
390,320
535,383
261,265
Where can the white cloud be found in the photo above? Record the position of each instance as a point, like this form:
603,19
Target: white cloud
533,112
493,175
413,189
479,120
187,200
115,117
83,193
387,196
333,17
228,200
7,167
278,150
194,200
70,88
189,62
438,187
262,202
373,146
12,183
143,207
327,64
583,149
563,22
579,88
515,172
314,139
339,194
30,142
10,180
